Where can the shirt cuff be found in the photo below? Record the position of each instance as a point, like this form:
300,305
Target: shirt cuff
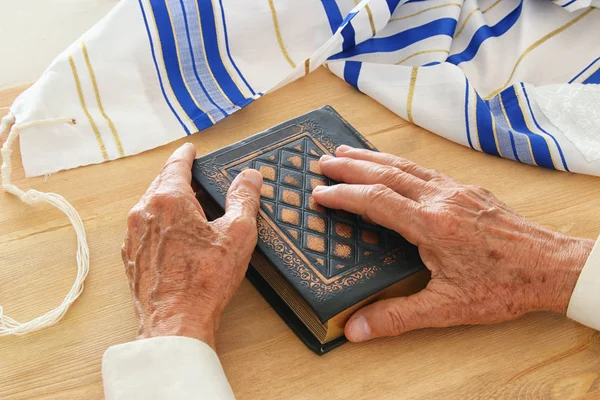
168,367
584,306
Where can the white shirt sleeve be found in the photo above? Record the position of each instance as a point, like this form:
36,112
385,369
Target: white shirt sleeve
169,367
584,306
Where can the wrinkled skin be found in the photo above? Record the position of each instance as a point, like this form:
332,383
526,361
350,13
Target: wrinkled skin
182,269
488,263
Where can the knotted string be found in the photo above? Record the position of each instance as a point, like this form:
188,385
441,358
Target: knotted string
9,326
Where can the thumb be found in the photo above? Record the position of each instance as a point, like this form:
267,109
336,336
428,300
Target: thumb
395,316
243,200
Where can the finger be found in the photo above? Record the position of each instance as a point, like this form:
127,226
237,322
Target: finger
388,159
175,179
393,317
242,203
378,203
343,169
244,194
178,168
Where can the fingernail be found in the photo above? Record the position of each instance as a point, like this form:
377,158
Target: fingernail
326,157
254,177
188,144
344,148
320,189
359,329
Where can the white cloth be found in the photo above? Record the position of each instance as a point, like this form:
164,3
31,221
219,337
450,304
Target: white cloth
169,367
482,73
584,306
184,368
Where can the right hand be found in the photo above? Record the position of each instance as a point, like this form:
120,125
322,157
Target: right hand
488,264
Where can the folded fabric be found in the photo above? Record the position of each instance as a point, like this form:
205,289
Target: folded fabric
513,78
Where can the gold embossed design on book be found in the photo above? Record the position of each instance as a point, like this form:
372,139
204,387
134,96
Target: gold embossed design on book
334,327
329,251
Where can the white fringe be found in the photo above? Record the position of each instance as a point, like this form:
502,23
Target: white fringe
9,326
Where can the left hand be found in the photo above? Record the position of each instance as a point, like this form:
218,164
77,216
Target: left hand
182,269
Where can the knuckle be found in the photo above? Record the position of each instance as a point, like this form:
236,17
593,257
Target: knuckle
487,213
391,159
345,165
459,193
403,164
341,162
411,168
135,213
395,322
481,190
170,165
244,197
441,180
389,175
344,162
165,199
471,188
244,203
377,192
242,224
159,199
135,216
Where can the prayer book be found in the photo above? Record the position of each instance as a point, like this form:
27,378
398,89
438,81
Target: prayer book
314,266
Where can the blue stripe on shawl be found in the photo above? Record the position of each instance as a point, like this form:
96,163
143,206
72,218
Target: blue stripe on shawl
585,69
503,135
171,62
562,156
209,33
160,81
485,130
334,16
351,72
443,26
512,145
392,5
195,66
467,113
539,146
484,33
594,78
348,32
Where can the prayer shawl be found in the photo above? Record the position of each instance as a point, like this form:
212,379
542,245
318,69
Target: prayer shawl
513,78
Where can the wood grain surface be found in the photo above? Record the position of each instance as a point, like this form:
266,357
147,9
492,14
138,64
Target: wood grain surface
539,356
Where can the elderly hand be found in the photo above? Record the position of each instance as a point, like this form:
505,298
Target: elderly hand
182,269
488,264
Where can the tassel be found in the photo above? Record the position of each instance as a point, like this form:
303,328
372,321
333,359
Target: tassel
9,326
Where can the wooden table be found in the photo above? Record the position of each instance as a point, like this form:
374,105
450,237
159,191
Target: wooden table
538,356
